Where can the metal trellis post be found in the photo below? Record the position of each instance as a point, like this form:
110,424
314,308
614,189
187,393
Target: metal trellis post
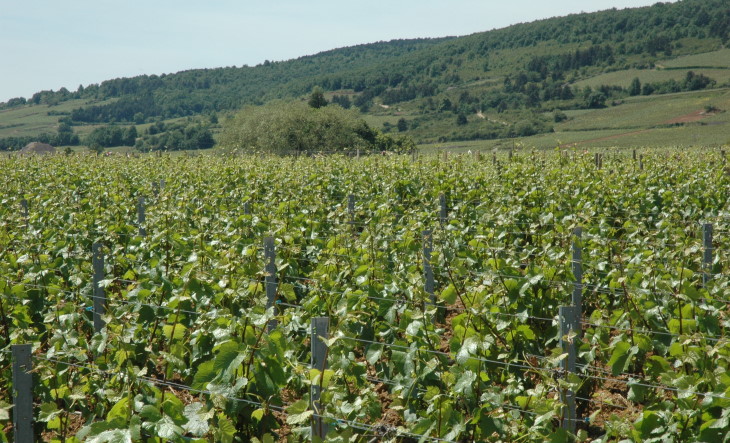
271,282
22,393
351,208
97,261
707,256
443,213
24,205
141,216
428,285
569,327
577,299
320,330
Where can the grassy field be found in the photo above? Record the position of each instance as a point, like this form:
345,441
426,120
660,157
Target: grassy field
713,59
624,78
647,111
641,121
24,121
680,136
715,64
32,120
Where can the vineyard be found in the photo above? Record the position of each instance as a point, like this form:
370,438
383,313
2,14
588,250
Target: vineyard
540,296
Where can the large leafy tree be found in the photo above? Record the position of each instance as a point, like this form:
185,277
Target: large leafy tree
296,127
316,99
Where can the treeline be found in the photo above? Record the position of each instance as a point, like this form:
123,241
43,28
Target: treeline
175,137
556,66
17,143
64,136
126,109
526,90
158,136
111,136
691,82
489,131
635,31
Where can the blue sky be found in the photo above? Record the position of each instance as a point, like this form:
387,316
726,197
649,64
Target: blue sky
49,44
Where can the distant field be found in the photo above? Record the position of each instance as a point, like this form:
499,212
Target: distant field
683,136
624,78
542,141
713,59
641,112
33,120
715,64
641,121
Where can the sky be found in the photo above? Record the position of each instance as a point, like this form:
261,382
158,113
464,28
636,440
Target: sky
49,44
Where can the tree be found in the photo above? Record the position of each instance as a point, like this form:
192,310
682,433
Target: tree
595,100
105,137
96,148
342,100
402,125
445,105
130,136
285,127
559,116
316,99
65,135
635,88
461,119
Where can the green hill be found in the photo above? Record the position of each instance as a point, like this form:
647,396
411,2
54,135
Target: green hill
520,81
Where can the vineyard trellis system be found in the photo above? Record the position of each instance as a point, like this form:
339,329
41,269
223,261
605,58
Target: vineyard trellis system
462,300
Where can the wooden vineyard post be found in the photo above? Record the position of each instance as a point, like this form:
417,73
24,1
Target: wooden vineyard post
596,160
97,261
707,256
141,216
494,159
641,162
22,393
569,327
634,155
271,282
320,330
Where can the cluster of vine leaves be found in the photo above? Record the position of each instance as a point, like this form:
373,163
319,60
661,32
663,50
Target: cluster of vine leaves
186,354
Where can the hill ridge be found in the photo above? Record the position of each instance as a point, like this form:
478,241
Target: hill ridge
520,72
